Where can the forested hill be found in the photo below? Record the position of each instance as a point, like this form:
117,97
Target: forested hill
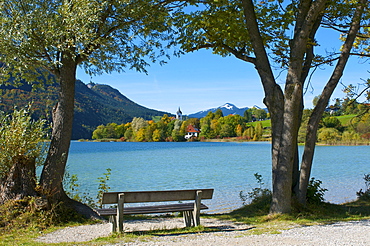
95,104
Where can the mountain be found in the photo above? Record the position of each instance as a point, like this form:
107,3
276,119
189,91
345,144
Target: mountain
226,109
95,104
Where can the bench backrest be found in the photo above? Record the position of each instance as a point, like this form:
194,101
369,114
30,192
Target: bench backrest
156,196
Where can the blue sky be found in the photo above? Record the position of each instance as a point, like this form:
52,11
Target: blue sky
202,80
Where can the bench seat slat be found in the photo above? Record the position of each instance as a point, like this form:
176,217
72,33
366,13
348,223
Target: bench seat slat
155,196
168,208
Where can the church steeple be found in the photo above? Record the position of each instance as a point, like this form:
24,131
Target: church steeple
179,114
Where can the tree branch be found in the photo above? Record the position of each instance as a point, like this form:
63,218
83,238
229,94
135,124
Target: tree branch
236,53
239,54
262,62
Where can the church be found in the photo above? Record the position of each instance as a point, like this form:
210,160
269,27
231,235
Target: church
179,114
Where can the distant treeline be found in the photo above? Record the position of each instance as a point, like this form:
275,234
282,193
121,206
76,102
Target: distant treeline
214,125
346,123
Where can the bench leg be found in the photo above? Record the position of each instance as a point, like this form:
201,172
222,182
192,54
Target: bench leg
196,212
113,220
121,199
188,218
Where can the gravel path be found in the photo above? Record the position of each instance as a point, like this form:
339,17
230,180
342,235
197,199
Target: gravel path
343,233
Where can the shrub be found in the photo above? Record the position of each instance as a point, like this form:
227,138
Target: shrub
71,186
365,195
329,135
103,185
315,193
332,122
350,137
257,194
20,136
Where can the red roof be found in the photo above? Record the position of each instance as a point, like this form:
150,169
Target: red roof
191,128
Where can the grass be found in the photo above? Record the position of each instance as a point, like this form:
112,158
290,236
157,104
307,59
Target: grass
345,120
22,225
21,222
265,123
313,214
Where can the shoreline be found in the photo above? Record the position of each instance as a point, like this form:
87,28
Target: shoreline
224,140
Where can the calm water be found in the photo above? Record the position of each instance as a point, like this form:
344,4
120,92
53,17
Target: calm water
226,167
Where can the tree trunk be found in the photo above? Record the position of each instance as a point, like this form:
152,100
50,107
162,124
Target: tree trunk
51,179
318,111
54,167
274,100
286,153
20,181
285,160
284,166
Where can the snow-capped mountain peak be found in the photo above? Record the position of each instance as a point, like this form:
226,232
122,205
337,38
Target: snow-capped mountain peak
228,106
227,109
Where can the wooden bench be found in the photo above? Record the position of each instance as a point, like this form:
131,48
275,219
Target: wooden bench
191,211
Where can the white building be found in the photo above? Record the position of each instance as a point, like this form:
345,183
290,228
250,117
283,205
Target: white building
179,114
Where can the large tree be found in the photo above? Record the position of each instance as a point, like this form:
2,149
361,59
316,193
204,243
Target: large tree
39,39
279,34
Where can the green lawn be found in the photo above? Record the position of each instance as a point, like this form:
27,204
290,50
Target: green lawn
265,123
345,119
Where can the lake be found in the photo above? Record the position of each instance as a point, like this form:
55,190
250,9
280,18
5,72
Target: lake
226,167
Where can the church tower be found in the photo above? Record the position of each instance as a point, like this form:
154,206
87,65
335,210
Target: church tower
179,114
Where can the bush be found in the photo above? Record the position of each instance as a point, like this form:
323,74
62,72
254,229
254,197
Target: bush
329,135
315,193
71,186
350,137
20,136
366,136
332,122
257,194
365,195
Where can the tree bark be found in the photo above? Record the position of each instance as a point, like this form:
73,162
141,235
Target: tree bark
274,100
51,179
20,181
319,109
309,56
54,167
